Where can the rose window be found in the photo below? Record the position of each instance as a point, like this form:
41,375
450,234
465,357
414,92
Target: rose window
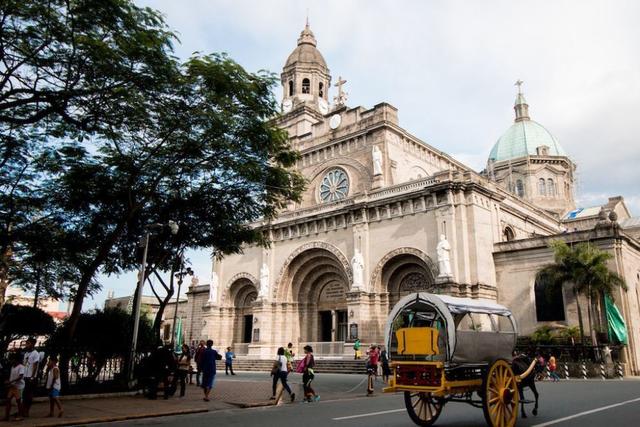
334,186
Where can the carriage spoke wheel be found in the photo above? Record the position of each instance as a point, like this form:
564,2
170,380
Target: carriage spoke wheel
500,401
423,408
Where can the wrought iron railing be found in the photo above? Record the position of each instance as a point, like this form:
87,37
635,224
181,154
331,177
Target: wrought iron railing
84,371
575,353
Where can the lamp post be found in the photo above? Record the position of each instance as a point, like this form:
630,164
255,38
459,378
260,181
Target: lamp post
180,276
173,226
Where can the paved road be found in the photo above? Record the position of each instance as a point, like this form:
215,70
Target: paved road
568,403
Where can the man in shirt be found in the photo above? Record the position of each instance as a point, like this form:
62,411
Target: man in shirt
15,386
372,367
228,361
198,359
31,362
209,357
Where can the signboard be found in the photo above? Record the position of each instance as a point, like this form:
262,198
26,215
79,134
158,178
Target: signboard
256,335
332,293
353,332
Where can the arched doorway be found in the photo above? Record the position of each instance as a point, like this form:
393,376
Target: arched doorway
404,274
243,293
318,284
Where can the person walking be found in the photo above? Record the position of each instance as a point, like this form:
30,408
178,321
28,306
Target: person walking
305,367
198,359
31,362
228,361
289,354
53,386
280,374
184,364
15,387
372,368
209,357
384,359
356,349
552,369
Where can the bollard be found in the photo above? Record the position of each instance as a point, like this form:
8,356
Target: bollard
546,372
603,373
583,368
566,371
619,371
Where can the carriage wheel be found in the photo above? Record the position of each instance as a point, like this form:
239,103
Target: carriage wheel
423,408
500,400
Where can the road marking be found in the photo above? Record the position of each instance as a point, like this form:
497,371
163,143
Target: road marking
581,414
371,414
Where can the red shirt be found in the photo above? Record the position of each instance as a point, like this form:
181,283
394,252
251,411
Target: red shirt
373,357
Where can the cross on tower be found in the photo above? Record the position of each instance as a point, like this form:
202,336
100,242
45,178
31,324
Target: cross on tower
341,98
519,84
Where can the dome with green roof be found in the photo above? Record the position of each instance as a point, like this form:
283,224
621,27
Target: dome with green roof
524,137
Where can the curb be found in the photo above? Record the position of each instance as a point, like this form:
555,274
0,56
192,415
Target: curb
88,396
121,418
250,405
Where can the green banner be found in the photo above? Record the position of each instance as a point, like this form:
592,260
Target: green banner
617,328
178,337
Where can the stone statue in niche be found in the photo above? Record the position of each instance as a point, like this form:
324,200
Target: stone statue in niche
357,266
264,282
376,154
213,287
444,261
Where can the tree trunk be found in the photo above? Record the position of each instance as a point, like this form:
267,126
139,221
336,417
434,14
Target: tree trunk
580,324
89,272
158,320
592,332
5,259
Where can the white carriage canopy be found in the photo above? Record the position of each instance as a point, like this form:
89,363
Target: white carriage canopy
448,307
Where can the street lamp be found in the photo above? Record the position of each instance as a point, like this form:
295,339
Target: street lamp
180,276
173,227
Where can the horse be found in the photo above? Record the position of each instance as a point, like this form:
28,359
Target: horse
523,365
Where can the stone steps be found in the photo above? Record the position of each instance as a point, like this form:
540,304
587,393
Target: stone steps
322,366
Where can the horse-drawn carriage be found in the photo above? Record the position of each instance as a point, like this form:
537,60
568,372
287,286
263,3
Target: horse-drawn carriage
444,349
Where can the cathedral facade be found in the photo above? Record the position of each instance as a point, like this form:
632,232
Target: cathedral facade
385,214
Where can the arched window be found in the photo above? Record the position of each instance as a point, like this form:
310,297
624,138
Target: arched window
320,89
520,188
551,188
542,190
306,85
508,234
291,90
549,304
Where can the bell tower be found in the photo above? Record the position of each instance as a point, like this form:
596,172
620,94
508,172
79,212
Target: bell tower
305,77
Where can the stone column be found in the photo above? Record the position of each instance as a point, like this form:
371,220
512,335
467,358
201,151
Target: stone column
262,329
334,325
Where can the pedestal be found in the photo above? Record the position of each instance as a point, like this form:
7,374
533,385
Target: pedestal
378,182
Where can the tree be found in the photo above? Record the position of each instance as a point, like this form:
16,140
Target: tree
101,335
17,321
70,69
584,267
193,143
204,154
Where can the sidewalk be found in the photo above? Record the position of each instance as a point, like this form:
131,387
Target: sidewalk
225,395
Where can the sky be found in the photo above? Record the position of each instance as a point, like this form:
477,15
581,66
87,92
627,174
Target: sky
450,68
